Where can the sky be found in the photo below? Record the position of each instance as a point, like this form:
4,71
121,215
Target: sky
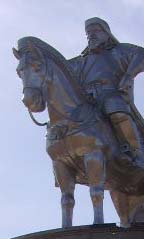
29,202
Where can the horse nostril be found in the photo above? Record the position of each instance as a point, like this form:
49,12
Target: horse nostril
24,101
31,98
22,98
27,101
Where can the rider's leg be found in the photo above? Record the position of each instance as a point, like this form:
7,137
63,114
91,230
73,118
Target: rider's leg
126,130
66,181
94,163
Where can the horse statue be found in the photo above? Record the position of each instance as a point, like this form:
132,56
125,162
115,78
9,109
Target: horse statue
80,141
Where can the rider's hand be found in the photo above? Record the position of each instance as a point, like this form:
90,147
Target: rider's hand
125,83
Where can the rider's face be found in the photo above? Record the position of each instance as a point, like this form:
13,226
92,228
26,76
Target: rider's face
96,35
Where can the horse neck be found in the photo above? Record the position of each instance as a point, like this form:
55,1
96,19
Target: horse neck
61,96
54,117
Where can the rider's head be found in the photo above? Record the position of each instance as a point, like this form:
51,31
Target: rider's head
98,33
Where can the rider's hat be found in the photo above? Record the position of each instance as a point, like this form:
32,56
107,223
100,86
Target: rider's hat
102,23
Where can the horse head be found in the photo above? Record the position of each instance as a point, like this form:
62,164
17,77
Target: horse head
32,70
47,79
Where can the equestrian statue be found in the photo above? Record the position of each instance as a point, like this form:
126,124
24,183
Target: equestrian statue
95,136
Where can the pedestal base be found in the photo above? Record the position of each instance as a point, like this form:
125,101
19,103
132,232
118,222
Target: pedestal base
103,231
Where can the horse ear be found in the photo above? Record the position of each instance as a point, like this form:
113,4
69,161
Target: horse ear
16,53
34,50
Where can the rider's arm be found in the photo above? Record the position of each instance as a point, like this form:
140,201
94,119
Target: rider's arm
135,56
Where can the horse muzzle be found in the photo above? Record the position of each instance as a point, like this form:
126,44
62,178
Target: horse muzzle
32,99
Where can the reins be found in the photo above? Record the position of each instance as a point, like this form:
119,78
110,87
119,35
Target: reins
38,123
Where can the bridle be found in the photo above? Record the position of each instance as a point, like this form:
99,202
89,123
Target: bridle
47,124
48,103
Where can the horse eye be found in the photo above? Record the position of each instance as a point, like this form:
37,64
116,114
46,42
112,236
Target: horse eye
36,66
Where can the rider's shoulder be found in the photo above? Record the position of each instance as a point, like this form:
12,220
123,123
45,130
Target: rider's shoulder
76,62
128,47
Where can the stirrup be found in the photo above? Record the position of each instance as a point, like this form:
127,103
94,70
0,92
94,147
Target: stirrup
125,148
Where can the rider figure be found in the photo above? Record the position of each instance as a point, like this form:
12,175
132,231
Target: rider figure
106,70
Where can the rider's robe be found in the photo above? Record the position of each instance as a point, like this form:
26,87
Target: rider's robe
99,76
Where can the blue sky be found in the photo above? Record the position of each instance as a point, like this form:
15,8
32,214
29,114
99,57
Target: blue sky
29,201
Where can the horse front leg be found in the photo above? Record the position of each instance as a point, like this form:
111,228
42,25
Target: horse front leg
66,181
94,163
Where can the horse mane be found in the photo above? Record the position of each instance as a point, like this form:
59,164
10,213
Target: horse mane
55,56
23,46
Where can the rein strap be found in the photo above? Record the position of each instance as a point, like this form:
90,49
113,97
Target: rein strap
38,123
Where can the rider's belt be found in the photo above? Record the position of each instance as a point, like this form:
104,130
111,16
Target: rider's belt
96,88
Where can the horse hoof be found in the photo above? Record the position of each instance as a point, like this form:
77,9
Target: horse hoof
125,225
